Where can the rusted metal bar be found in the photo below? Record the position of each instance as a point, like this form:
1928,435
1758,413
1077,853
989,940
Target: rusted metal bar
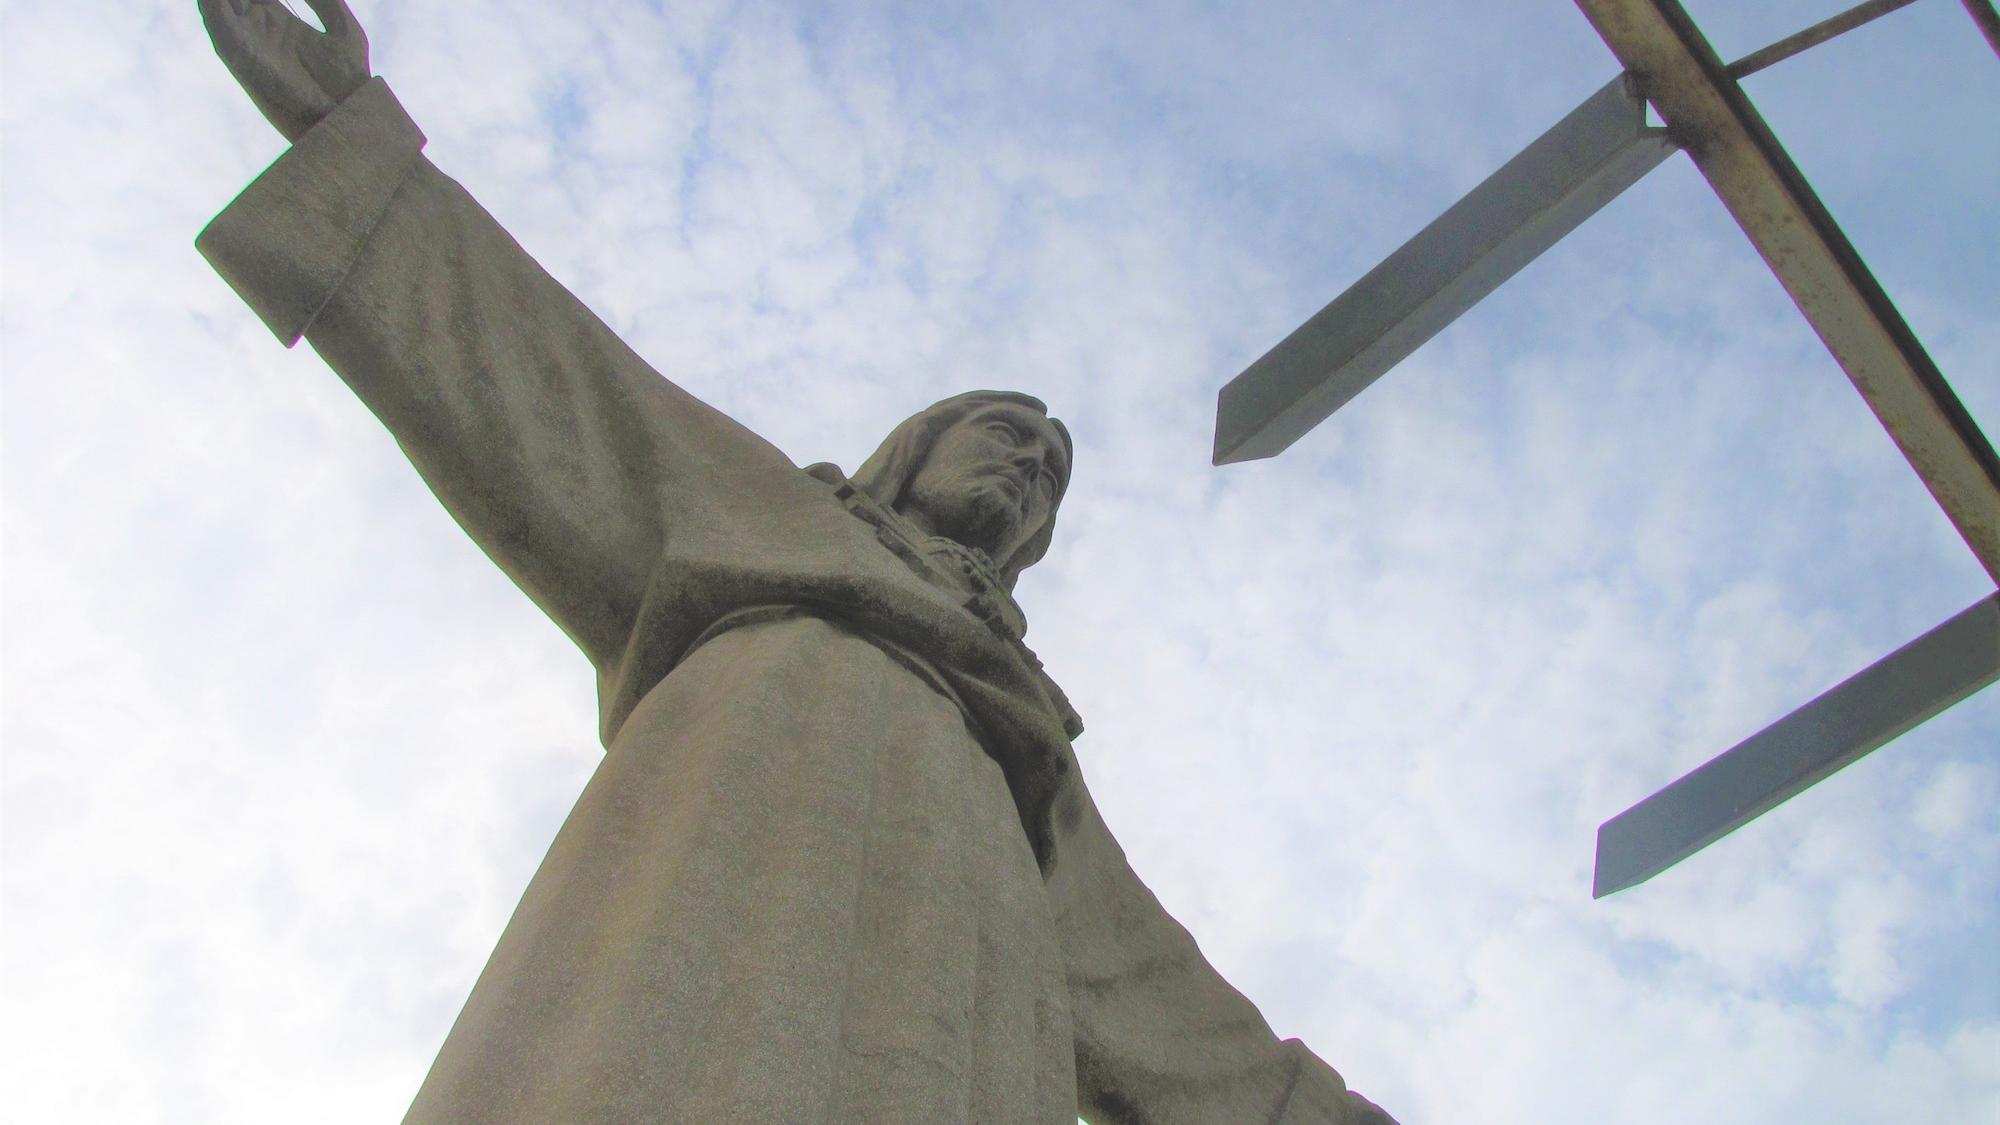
1864,712
1815,35
1601,148
1770,199
1982,13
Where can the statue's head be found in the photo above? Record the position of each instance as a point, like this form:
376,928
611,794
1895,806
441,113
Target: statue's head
987,469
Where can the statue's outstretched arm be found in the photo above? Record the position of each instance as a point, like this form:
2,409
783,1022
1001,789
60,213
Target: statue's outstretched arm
1160,1036
566,457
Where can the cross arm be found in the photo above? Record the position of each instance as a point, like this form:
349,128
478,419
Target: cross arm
1876,705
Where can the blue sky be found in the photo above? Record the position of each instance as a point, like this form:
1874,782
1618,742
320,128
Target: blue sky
282,748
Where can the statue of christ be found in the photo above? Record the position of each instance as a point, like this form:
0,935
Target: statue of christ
838,863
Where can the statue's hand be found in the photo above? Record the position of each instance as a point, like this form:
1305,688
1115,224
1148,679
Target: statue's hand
294,73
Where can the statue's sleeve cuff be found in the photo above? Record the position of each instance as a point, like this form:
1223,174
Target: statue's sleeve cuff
287,242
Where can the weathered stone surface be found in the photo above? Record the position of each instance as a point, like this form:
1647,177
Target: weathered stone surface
838,863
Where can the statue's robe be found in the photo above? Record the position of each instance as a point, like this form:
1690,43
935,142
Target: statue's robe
838,864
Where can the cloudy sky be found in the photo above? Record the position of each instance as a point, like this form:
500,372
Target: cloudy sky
282,748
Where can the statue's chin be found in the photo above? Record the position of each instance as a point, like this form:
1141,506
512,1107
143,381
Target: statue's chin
999,515
985,514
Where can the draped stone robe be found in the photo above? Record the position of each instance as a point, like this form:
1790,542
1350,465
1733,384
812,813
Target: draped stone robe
838,863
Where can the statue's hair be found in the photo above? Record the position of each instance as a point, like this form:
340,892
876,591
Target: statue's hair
887,473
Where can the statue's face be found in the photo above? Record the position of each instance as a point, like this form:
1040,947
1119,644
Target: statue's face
990,481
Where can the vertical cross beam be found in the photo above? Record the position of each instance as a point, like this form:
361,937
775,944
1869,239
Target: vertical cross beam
1770,199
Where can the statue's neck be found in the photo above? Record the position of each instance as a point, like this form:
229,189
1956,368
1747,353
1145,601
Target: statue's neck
941,560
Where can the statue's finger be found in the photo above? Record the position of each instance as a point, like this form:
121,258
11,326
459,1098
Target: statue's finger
226,22
217,14
271,19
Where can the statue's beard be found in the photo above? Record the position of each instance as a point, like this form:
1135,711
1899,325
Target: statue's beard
981,512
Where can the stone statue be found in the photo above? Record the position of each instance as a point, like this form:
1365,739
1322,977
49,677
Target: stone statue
838,863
